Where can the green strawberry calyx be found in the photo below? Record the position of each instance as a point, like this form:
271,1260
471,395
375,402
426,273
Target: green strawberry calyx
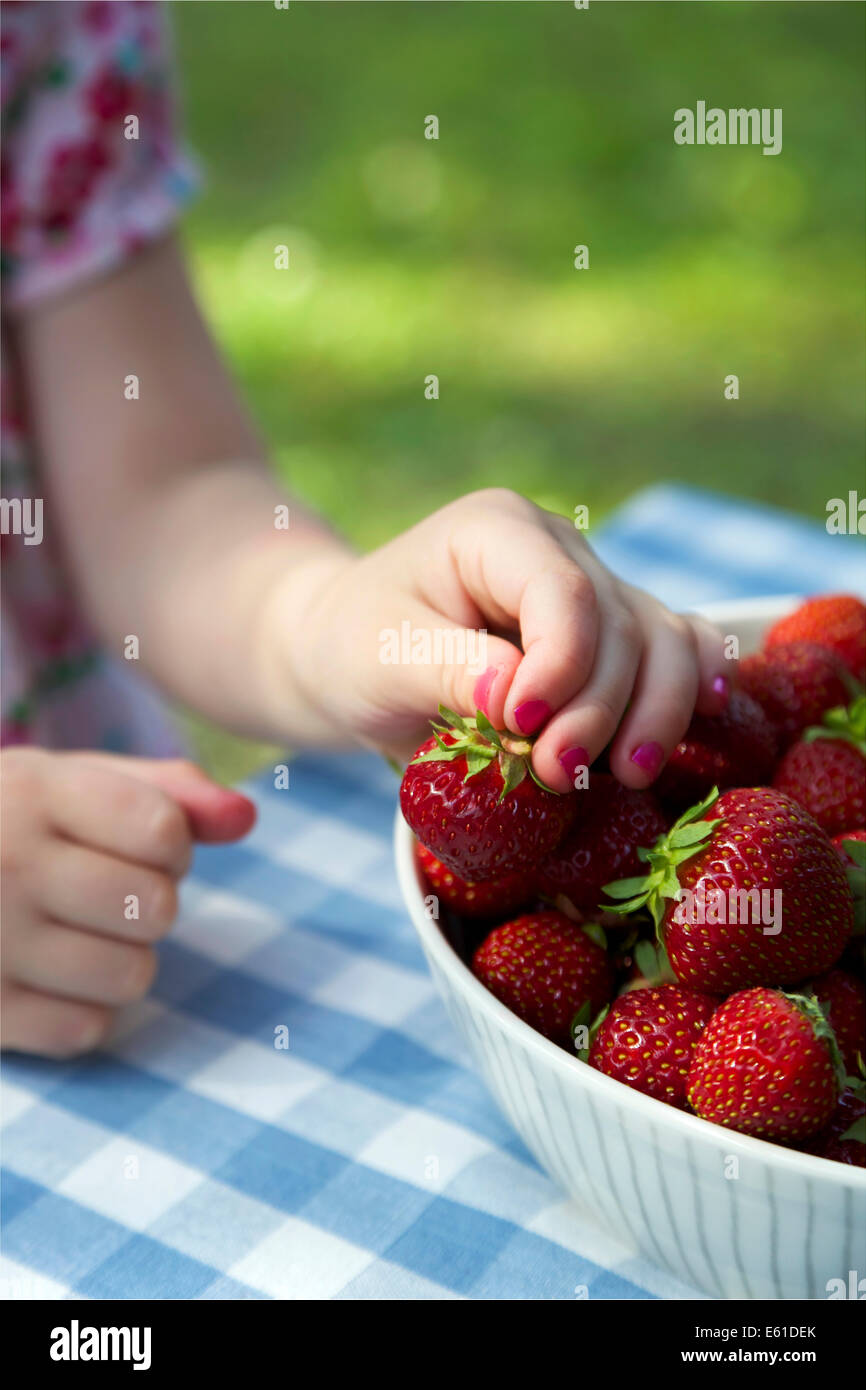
857,1084
480,744
857,1131
596,933
822,1028
580,1021
652,962
845,723
856,876
686,838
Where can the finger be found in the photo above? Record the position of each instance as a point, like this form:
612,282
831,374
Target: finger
83,887
48,1026
216,814
56,959
578,733
462,668
559,618
717,672
521,575
95,804
663,700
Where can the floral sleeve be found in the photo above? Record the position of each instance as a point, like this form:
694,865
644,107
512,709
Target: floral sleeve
91,166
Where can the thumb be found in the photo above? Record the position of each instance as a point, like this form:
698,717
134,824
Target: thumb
216,815
464,668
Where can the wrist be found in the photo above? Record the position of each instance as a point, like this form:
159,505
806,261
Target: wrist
297,645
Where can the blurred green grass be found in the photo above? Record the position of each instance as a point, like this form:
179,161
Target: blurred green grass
454,257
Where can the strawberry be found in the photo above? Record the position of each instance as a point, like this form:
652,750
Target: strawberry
472,798
647,1039
736,748
489,899
826,771
611,823
843,999
827,779
546,969
767,1064
794,683
844,1138
835,621
757,895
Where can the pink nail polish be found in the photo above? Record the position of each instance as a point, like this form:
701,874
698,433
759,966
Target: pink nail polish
531,715
571,759
483,686
722,688
648,757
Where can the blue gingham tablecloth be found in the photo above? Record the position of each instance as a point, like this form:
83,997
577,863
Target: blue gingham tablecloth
194,1159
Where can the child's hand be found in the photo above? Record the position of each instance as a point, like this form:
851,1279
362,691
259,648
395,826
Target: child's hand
600,660
82,833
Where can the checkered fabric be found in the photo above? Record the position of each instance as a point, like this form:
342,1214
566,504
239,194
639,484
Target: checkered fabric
194,1159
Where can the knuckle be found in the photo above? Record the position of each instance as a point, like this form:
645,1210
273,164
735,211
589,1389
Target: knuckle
709,640
126,798
21,774
579,588
499,498
76,1031
569,578
674,623
625,627
603,710
685,633
162,903
167,832
184,767
135,974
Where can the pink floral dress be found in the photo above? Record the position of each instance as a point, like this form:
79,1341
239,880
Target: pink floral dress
76,199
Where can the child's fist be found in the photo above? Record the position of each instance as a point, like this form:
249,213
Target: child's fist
93,848
572,653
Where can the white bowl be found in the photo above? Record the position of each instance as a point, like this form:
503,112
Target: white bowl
735,1216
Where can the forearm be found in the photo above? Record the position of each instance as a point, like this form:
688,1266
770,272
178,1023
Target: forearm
210,585
164,504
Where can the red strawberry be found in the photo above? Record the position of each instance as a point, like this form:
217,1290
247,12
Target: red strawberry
844,1138
826,771
794,683
827,779
757,895
766,1064
471,797
546,969
843,998
837,621
611,823
489,899
734,749
647,1039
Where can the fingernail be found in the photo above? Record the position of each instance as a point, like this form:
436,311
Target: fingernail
722,688
572,759
482,689
531,715
648,757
